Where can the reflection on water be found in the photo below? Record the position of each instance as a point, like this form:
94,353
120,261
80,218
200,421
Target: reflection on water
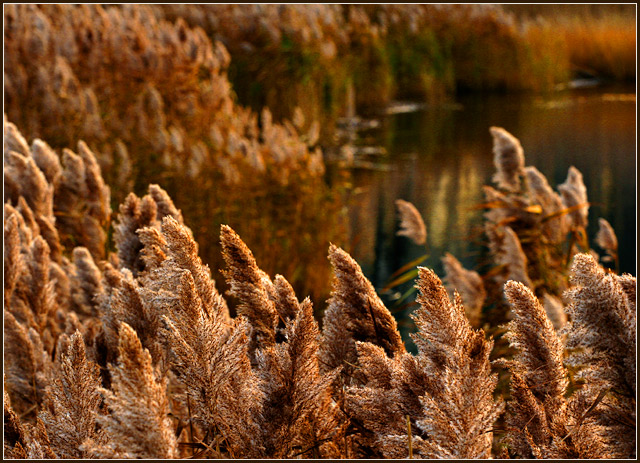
439,159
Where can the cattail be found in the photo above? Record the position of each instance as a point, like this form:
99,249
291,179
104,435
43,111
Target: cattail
508,159
411,224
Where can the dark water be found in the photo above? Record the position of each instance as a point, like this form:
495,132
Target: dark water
439,159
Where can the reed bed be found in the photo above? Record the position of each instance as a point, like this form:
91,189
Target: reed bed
600,40
152,99
312,55
130,333
137,354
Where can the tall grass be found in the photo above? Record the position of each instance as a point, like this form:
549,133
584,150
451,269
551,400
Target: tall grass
120,343
138,355
308,56
599,39
153,100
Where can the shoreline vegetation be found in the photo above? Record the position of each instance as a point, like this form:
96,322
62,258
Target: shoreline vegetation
171,101
312,56
136,354
168,210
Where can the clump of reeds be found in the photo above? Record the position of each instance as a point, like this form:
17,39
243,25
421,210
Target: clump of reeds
533,231
137,354
174,118
313,55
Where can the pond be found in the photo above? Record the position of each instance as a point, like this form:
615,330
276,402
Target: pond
438,158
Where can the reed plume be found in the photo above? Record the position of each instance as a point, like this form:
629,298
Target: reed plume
574,196
554,308
607,240
555,229
207,352
251,286
446,390
355,313
411,224
508,159
507,252
299,416
15,434
27,365
541,422
602,328
81,209
468,284
138,424
72,400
